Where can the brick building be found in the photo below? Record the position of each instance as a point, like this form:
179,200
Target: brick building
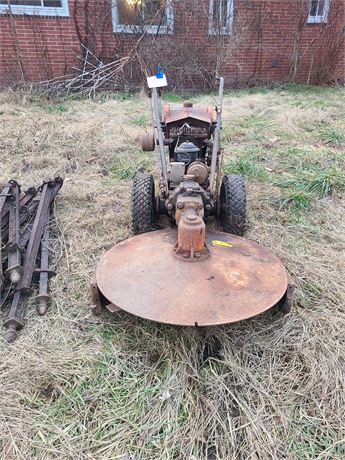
248,41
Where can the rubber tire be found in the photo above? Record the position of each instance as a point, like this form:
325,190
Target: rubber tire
233,204
143,203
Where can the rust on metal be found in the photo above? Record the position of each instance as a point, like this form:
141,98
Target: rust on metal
286,303
4,196
98,301
14,269
148,142
199,171
191,234
43,296
172,113
14,321
239,280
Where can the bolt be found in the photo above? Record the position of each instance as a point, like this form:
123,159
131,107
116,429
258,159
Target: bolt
42,308
15,277
170,206
180,205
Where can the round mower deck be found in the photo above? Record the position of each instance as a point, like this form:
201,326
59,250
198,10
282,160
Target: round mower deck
239,280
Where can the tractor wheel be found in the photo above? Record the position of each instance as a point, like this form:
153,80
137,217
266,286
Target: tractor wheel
143,203
232,202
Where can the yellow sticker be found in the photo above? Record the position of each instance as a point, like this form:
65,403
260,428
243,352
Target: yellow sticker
223,244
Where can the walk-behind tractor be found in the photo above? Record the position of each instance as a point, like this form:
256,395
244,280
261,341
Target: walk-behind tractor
185,274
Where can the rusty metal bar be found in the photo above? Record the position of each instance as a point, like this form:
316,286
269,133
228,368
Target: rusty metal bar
162,162
216,139
24,239
24,201
43,297
14,321
14,270
5,194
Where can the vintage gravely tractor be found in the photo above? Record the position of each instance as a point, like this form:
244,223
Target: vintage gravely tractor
186,275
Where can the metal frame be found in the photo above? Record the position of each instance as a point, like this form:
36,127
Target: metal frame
216,139
160,151
151,29
36,10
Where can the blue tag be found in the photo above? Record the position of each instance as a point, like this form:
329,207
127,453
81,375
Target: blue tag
159,74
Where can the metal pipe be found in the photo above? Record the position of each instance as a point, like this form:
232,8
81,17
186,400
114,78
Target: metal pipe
43,297
14,270
5,193
24,201
160,147
216,139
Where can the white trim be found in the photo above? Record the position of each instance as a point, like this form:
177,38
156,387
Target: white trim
229,19
37,10
128,29
319,18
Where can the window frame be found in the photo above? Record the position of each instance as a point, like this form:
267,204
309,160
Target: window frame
229,19
37,10
134,29
319,19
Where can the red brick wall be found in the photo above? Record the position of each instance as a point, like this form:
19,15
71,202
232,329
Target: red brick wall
265,39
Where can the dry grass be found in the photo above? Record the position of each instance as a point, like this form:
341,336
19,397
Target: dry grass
75,387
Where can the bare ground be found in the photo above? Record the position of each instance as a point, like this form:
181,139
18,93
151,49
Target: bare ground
76,387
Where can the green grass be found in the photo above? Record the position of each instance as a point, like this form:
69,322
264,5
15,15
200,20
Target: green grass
55,108
246,168
170,96
253,121
139,120
332,135
124,168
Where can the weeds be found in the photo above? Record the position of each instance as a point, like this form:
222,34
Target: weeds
332,135
124,168
245,168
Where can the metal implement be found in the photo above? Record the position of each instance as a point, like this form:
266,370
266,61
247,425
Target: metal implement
160,145
24,201
216,141
4,195
14,270
239,280
189,276
14,321
43,297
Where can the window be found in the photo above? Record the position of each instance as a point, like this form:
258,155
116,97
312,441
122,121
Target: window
318,11
135,16
221,15
39,7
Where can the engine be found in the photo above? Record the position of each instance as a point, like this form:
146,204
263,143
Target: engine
186,153
188,131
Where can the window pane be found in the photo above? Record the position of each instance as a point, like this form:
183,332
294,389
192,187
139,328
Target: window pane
53,3
220,13
314,8
128,12
154,12
321,7
141,12
22,2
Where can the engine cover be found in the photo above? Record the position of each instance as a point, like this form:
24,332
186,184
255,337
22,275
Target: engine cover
187,152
